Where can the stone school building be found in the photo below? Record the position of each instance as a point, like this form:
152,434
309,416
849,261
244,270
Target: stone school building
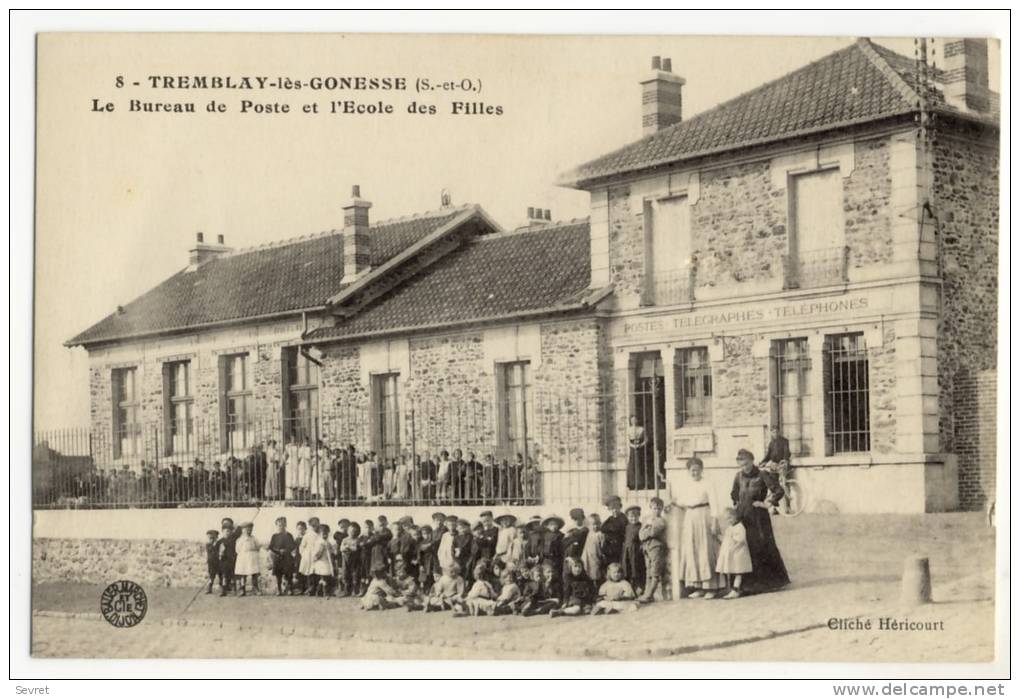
818,254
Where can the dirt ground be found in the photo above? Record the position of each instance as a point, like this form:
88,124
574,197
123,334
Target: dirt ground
842,566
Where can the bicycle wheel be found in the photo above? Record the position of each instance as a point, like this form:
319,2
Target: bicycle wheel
795,497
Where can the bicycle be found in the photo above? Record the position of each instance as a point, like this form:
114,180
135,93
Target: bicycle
795,499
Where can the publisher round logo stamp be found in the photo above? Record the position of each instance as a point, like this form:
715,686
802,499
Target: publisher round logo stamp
124,604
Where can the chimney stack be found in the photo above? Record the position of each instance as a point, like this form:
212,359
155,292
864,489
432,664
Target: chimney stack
203,251
660,97
965,70
357,242
537,216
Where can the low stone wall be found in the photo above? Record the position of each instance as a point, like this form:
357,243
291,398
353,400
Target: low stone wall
165,563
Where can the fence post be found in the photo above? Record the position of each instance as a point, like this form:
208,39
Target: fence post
675,523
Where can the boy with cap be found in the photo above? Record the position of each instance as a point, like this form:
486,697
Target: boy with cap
632,560
487,537
613,528
212,559
281,552
653,546
350,562
227,548
552,543
573,540
427,567
463,547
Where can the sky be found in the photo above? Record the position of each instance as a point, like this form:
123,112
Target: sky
120,196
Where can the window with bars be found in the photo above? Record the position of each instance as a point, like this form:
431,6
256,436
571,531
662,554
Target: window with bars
386,415
847,410
514,393
177,403
693,383
125,412
791,393
301,396
236,395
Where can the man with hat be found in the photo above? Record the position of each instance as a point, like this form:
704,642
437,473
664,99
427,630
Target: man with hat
613,529
487,537
506,536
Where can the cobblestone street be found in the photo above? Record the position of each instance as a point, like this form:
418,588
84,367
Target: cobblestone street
831,580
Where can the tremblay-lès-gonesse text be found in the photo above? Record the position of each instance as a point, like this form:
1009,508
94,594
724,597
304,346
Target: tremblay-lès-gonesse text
249,84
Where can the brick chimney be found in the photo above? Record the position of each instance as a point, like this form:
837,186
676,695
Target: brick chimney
203,251
357,242
660,97
965,73
538,216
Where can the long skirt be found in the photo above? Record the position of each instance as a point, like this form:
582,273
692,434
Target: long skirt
272,482
699,551
769,571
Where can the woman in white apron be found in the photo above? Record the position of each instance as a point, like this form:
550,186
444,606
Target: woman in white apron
290,465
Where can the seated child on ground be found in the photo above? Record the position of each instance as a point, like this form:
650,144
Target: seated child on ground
407,587
481,598
380,594
616,594
578,591
547,597
510,597
448,591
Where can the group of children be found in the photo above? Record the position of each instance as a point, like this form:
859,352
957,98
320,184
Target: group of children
494,566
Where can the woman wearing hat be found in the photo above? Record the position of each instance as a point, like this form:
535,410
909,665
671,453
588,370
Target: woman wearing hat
754,494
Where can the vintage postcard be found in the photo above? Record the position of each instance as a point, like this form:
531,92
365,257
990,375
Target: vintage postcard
511,347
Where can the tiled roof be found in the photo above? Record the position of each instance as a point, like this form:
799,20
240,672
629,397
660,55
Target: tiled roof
293,275
534,269
860,83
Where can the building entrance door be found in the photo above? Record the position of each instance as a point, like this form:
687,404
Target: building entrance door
646,433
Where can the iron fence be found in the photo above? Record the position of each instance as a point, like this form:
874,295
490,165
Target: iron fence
445,450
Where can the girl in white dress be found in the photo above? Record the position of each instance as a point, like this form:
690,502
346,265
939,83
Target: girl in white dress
248,564
734,556
322,561
443,475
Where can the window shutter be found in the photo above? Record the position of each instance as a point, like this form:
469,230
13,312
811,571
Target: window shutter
284,394
502,411
168,410
222,367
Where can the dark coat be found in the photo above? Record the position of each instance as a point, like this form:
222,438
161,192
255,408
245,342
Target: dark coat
769,571
613,529
779,450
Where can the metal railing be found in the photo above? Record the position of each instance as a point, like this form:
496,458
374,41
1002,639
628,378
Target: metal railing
814,268
451,450
673,287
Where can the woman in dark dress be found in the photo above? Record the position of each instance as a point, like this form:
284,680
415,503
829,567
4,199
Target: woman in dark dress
637,455
752,499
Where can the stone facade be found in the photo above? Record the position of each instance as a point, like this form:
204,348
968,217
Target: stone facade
974,400
966,197
159,562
